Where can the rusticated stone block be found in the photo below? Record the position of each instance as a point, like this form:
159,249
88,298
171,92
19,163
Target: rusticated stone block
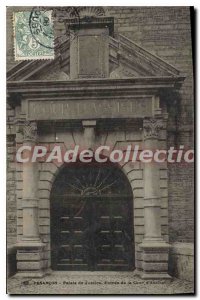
138,264
155,266
154,257
29,256
30,265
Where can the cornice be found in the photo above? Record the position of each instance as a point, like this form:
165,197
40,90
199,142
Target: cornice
116,84
90,88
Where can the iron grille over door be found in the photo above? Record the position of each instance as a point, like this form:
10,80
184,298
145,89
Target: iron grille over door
91,219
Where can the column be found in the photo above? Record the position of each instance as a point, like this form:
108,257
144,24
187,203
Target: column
154,248
30,248
30,178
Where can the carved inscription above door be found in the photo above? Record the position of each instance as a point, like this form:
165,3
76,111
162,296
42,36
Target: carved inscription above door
76,109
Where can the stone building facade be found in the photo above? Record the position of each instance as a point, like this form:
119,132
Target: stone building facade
129,71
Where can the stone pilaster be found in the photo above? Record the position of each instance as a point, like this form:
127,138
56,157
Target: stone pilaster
30,248
154,248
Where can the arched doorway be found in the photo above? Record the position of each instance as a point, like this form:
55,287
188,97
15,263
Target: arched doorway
92,219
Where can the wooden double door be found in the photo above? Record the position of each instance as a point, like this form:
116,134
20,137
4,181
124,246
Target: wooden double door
91,230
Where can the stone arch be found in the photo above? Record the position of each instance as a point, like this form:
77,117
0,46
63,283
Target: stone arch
133,172
134,175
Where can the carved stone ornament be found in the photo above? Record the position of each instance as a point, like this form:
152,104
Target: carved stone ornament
151,128
30,131
76,12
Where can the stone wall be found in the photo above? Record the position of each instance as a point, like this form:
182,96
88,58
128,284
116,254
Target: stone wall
181,263
11,192
11,208
164,31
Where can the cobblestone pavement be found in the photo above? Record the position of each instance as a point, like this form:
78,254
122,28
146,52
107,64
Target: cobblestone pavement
96,283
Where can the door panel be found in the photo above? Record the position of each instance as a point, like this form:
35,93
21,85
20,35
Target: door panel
92,231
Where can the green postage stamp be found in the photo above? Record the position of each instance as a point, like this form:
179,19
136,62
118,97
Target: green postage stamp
33,35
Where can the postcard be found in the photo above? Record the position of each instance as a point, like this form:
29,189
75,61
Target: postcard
100,150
